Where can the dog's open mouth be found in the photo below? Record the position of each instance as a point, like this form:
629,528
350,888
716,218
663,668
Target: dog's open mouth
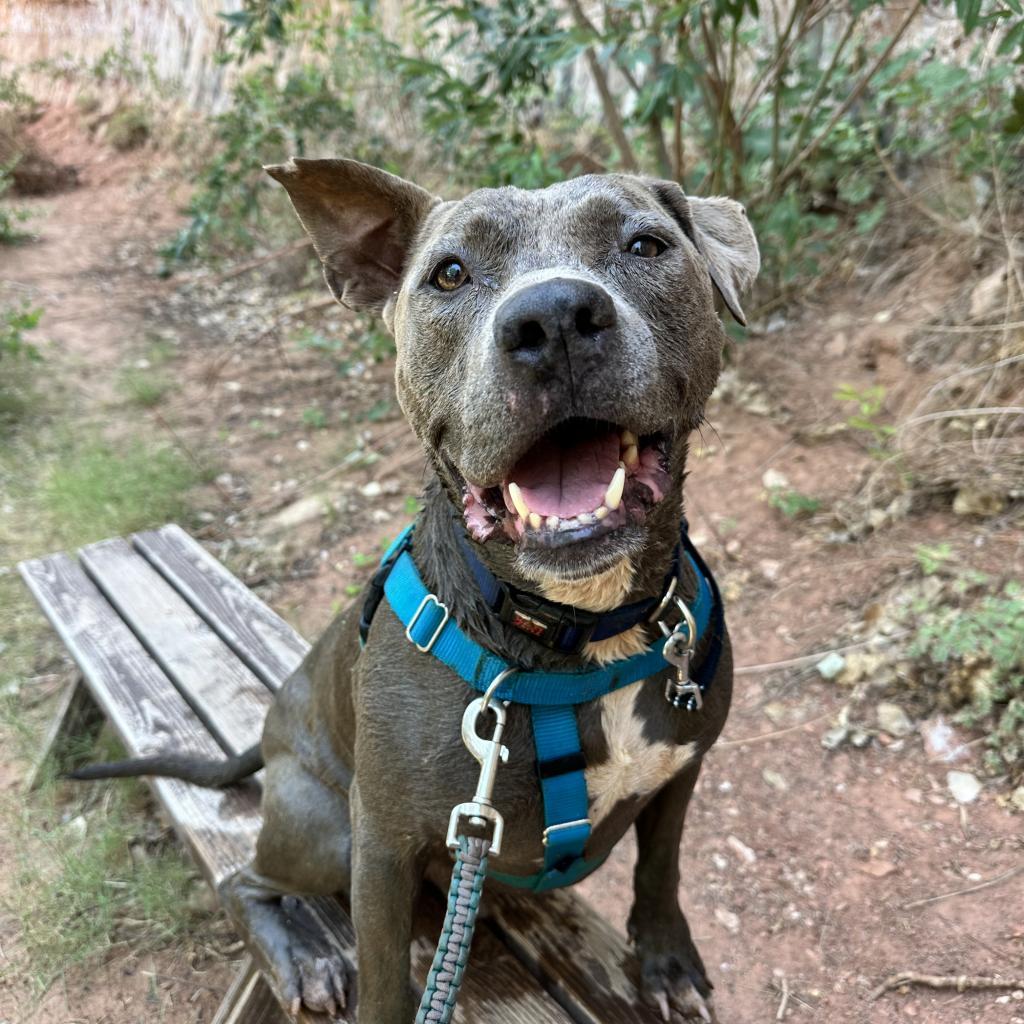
581,479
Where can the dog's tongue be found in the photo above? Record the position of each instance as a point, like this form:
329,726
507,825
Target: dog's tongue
565,477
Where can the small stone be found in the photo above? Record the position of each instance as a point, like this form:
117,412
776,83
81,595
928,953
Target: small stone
942,742
719,861
877,868
964,786
733,546
860,739
1017,798
727,919
913,795
978,501
831,665
298,512
835,737
775,779
740,848
836,346
770,569
893,719
773,480
371,490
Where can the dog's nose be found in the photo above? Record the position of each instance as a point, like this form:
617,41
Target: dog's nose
538,320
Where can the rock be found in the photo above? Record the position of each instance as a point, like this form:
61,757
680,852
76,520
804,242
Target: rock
727,919
836,346
860,739
304,510
773,480
893,719
973,500
964,786
913,795
740,848
775,779
769,569
989,293
835,737
877,868
1017,798
831,665
371,490
942,742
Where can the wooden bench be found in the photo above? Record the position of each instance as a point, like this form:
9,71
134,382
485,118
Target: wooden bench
178,654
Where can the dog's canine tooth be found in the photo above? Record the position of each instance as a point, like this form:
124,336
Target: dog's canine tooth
552,522
519,501
535,520
631,456
600,513
629,439
613,496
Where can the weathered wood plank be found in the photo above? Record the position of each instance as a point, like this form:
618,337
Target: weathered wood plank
260,637
148,713
581,960
249,999
228,698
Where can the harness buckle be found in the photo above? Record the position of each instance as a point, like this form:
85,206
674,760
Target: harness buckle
546,837
425,648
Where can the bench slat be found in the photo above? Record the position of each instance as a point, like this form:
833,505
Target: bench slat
262,639
229,699
147,712
569,947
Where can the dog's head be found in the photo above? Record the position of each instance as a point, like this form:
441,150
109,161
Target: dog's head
555,347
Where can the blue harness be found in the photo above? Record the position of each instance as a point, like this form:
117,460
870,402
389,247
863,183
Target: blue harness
551,696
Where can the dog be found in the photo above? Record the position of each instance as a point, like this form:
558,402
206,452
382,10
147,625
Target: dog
555,350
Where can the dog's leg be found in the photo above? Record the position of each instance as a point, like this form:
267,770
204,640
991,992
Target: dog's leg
673,975
385,887
304,848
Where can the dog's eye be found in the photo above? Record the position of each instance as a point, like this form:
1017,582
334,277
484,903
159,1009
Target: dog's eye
646,246
449,275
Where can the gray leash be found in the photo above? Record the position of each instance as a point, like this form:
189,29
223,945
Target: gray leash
471,852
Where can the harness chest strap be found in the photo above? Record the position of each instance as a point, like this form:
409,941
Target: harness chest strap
551,695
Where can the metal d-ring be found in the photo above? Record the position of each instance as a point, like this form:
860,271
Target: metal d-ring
495,683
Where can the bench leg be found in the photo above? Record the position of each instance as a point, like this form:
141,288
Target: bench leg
76,724
249,999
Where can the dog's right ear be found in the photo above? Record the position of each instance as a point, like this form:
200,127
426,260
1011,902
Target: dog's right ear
362,221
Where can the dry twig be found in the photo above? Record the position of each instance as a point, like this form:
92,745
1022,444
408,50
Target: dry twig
960,982
998,880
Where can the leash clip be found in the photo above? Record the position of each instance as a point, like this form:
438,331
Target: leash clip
682,691
489,752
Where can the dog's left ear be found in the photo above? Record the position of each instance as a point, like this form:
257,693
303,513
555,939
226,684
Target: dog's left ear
720,230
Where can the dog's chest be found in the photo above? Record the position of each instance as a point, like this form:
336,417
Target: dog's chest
636,765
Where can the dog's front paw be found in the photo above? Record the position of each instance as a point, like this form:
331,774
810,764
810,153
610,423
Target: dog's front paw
672,974
309,973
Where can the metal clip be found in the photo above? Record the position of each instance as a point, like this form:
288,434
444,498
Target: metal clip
479,811
679,644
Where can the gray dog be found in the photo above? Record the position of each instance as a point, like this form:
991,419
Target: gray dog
555,350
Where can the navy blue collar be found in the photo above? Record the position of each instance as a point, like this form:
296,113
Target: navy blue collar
559,627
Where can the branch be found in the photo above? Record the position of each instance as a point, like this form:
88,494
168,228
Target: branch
961,982
608,104
794,164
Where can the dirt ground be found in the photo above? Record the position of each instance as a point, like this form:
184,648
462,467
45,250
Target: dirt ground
799,864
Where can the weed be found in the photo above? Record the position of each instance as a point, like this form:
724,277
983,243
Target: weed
793,504
129,128
144,387
17,359
353,589
869,402
361,560
931,558
314,418
982,639
10,217
95,490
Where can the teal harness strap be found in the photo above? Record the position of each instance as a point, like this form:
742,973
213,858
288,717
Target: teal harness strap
551,695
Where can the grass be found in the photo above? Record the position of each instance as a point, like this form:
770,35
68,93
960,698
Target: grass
97,490
145,388
88,878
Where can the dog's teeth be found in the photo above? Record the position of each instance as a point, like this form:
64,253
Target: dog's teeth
613,496
535,520
552,522
629,439
586,518
631,456
600,513
518,500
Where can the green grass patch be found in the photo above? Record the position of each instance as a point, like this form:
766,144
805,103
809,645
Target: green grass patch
145,388
88,877
97,490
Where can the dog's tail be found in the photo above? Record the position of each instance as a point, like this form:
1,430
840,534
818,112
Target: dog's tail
211,774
